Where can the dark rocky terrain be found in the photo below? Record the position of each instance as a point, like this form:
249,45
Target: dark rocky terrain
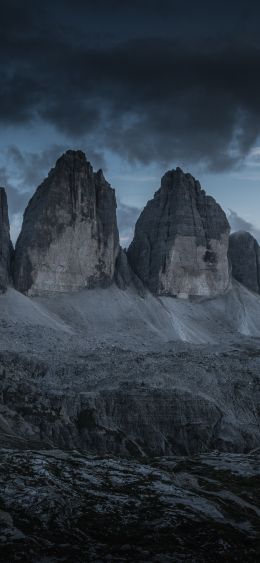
181,400
66,506
95,376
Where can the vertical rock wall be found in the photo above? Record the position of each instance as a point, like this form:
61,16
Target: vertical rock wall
69,238
180,244
244,253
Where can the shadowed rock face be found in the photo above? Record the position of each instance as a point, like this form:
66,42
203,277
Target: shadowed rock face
6,248
244,253
119,402
181,240
69,238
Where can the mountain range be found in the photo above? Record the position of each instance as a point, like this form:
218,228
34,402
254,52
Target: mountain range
70,241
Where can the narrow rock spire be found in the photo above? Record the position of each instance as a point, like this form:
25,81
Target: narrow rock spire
244,253
6,247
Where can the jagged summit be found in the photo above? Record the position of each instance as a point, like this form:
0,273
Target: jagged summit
72,159
72,155
181,240
69,238
6,247
244,253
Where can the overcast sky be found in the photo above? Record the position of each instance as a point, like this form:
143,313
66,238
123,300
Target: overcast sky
141,87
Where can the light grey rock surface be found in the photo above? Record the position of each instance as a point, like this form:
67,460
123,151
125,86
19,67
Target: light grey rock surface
69,238
6,247
181,240
244,253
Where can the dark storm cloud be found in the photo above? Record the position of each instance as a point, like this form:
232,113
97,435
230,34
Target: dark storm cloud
166,96
237,223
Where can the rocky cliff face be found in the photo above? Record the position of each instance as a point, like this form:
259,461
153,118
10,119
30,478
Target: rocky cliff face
121,402
181,240
244,253
69,238
6,248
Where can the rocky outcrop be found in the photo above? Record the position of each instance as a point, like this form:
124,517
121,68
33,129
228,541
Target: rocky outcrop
69,238
6,247
244,253
181,240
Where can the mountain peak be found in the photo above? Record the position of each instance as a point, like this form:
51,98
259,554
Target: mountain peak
69,238
181,240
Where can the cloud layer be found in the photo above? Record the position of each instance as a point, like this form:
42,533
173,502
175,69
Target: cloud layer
163,94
